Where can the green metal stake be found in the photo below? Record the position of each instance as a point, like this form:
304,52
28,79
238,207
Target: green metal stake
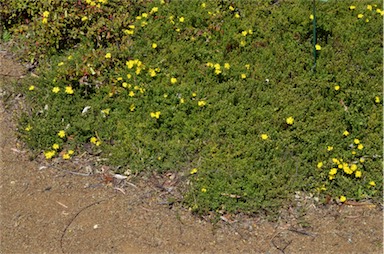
314,36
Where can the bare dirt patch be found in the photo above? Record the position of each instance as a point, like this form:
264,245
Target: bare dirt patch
74,207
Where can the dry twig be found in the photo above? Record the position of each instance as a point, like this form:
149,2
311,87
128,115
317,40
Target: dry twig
73,218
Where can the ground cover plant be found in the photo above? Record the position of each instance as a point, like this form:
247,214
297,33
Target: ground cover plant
222,91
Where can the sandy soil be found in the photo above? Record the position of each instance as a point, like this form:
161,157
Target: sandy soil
49,208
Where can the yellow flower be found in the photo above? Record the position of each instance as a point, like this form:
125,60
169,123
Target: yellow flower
93,140
155,114
154,9
130,64
70,152
106,111
346,133
343,199
85,18
329,148
60,64
356,141
247,66
128,32
173,80
352,7
369,7
290,120
311,17
227,66
331,177
193,171
242,43
182,100
358,174
244,33
61,134
56,89
132,107
337,88
320,164
28,128
152,72
360,16
333,171
203,190
353,167
318,47
264,136
231,8
201,103
372,183
181,19
154,45
69,90
55,146
44,21
144,15
46,14
66,156
49,154
360,147
108,55
336,161
243,75
377,99
31,88
131,94
353,152
203,5
237,15
362,160
347,169
194,94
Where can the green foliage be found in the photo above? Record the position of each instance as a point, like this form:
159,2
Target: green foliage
173,86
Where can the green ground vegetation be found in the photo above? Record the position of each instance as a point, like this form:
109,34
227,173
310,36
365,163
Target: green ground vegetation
223,92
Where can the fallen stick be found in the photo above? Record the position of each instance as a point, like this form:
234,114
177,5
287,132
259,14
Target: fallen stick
73,218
